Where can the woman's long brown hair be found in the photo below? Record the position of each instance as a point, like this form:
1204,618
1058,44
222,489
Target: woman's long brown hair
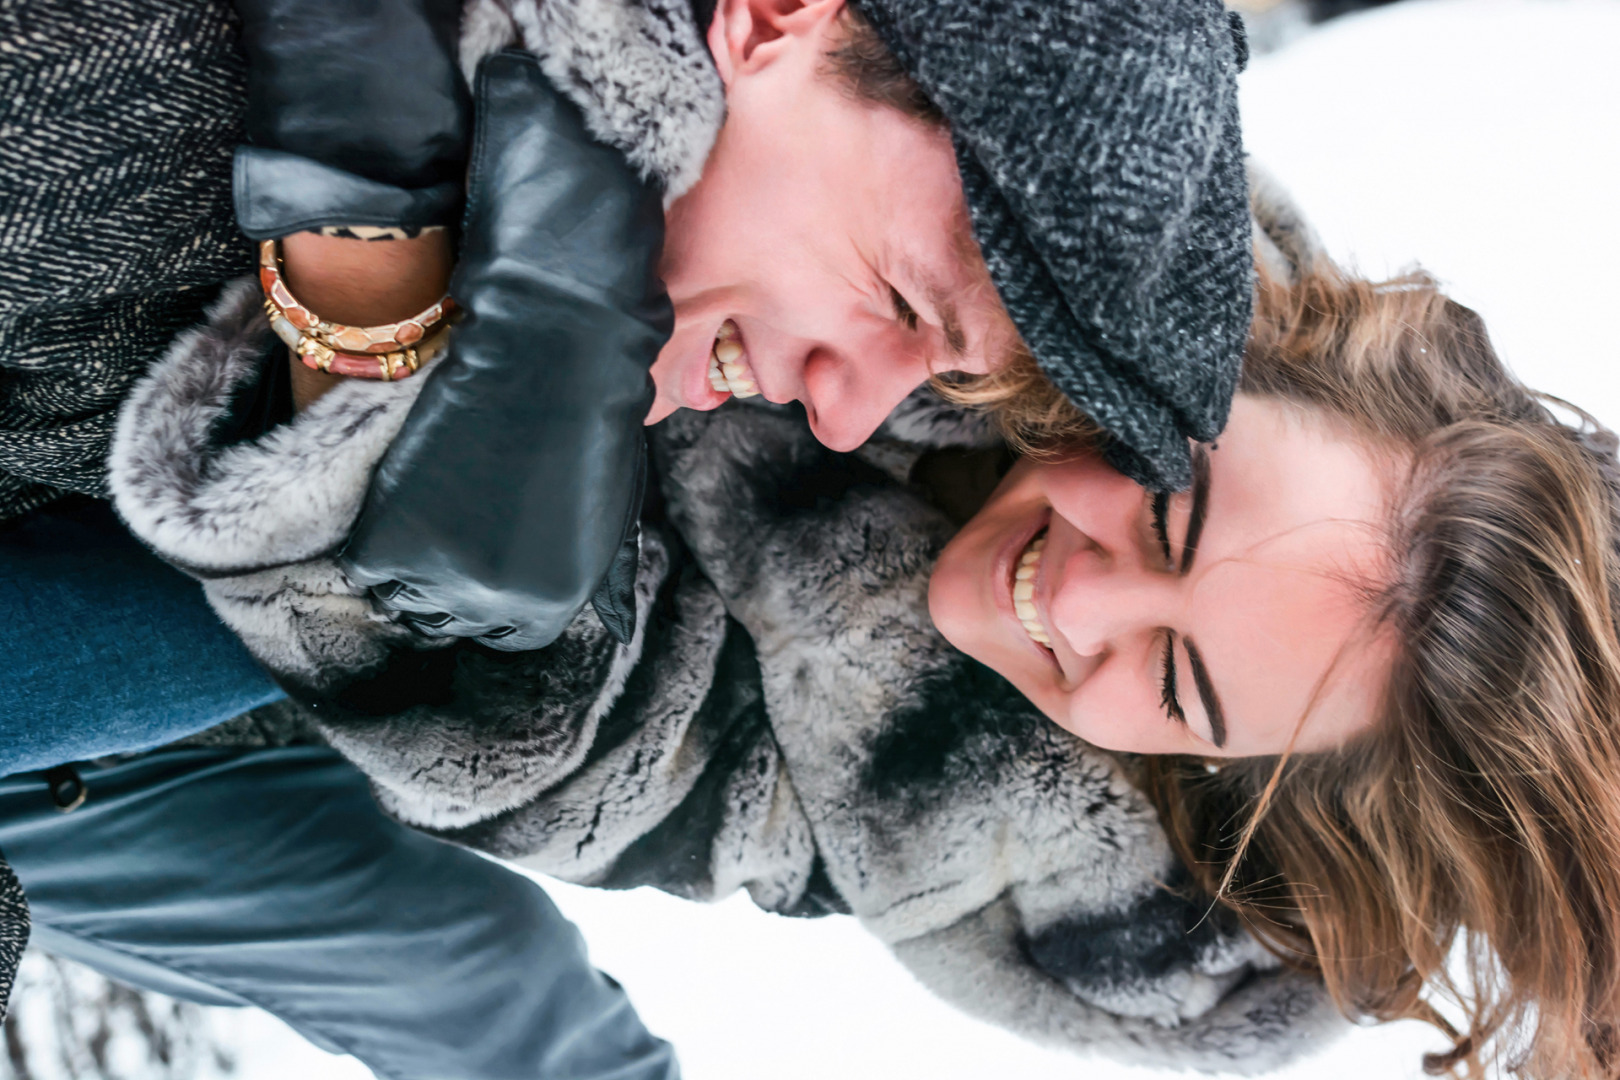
1467,849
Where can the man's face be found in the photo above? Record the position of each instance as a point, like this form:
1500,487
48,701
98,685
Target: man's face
831,233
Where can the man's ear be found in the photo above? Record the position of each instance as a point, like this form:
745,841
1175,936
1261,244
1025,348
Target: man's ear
747,35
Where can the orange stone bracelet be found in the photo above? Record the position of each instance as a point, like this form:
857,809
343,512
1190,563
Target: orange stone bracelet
367,352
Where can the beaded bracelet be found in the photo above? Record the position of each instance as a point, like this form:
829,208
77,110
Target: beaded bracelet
369,352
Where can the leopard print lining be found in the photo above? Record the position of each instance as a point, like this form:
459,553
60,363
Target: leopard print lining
378,232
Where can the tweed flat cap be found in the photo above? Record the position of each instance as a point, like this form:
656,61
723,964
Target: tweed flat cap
1102,157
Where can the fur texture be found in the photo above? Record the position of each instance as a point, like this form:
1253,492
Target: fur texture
287,497
256,520
961,827
1285,244
638,69
787,721
515,726
926,420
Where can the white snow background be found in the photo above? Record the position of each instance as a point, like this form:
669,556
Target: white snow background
1479,137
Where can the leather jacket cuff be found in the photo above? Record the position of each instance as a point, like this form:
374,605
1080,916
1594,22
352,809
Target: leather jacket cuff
278,193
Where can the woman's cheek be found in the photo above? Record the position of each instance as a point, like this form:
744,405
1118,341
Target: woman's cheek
1054,703
1111,710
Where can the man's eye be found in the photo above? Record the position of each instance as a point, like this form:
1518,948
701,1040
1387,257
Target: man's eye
902,310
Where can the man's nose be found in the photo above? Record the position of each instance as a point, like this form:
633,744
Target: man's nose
1102,598
849,396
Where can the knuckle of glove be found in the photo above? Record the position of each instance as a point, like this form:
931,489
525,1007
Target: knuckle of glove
510,638
398,596
442,624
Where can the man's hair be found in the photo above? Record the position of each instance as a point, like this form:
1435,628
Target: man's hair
1034,416
870,72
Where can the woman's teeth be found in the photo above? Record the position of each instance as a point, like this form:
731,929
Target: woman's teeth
1023,591
729,372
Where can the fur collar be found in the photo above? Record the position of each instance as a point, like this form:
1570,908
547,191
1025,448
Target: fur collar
638,69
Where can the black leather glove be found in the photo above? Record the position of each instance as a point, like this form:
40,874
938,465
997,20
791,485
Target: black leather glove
357,115
511,497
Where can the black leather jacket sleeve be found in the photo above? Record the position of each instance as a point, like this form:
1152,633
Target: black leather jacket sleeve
357,114
513,490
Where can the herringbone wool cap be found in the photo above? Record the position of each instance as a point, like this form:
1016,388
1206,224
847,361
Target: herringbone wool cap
1102,157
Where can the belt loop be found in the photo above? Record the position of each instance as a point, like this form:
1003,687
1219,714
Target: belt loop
67,787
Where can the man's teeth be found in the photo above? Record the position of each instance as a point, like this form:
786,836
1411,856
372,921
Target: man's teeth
729,372
1024,591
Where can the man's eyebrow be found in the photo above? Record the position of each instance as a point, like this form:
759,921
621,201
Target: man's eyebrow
1200,506
954,337
1206,693
971,267
950,323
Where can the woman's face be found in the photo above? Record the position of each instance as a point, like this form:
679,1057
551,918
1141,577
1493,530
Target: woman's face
1208,622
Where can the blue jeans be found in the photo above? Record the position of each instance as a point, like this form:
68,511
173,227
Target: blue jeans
106,648
271,878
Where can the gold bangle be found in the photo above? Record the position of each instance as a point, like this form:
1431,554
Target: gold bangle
389,366
292,321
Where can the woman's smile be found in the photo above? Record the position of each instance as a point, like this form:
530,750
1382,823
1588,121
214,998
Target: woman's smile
1097,610
1025,575
1002,574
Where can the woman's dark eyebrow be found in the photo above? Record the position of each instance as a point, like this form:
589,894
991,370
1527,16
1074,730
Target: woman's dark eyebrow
1206,694
1200,506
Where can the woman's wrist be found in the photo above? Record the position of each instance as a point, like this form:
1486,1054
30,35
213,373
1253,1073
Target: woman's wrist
361,283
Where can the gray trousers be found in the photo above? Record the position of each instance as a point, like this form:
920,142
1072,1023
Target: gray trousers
269,877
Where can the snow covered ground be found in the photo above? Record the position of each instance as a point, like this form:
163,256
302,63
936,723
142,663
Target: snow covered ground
1479,137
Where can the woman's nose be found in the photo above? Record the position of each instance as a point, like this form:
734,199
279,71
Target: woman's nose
1101,598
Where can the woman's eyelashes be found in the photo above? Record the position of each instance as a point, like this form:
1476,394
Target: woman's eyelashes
1168,697
1167,687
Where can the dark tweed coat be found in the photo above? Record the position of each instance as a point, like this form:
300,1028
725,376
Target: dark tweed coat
14,928
117,123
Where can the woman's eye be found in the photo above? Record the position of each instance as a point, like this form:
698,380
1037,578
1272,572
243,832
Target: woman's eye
902,310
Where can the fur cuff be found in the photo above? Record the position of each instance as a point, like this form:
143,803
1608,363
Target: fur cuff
981,966
286,497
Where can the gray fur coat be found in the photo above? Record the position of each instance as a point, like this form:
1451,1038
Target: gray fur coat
786,719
